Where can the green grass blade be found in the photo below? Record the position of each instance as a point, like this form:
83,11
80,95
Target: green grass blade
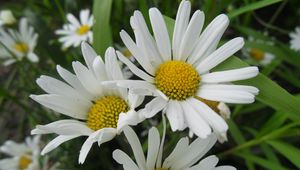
251,7
102,30
290,152
262,162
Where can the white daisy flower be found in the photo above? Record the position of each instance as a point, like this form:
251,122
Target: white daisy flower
7,18
178,74
184,156
96,111
258,56
76,31
19,43
24,156
295,39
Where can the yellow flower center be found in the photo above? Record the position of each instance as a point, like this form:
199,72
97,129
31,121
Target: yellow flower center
21,47
24,162
212,104
83,29
257,54
105,112
177,80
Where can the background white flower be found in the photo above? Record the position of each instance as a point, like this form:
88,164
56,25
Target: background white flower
24,156
19,43
178,74
76,31
97,112
295,39
6,17
184,156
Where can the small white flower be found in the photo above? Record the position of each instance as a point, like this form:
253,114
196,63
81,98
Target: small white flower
295,39
258,57
74,32
19,43
96,111
179,74
6,17
184,156
24,156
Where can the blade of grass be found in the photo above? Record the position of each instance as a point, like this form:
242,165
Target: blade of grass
251,7
102,35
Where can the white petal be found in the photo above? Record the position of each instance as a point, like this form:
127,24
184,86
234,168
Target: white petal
180,148
207,163
220,55
102,135
153,147
136,147
9,163
161,33
228,93
197,149
32,57
68,127
153,107
71,107
225,168
140,73
88,54
56,142
123,159
144,39
214,120
191,35
194,121
112,66
209,38
230,75
175,115
131,118
87,79
54,86
99,69
73,20
181,23
137,53
73,81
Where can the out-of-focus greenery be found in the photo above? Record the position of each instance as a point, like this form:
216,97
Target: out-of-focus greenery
263,135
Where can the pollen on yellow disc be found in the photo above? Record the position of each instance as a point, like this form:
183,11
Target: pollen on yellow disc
105,112
21,47
24,162
257,54
83,29
177,80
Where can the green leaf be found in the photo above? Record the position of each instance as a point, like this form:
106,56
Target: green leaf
270,93
251,7
290,152
102,29
262,162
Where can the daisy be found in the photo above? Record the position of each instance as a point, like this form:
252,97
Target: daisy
96,111
295,39
184,156
178,75
74,32
258,56
24,156
20,43
6,17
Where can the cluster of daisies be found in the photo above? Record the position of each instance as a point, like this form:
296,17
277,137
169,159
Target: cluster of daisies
175,74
